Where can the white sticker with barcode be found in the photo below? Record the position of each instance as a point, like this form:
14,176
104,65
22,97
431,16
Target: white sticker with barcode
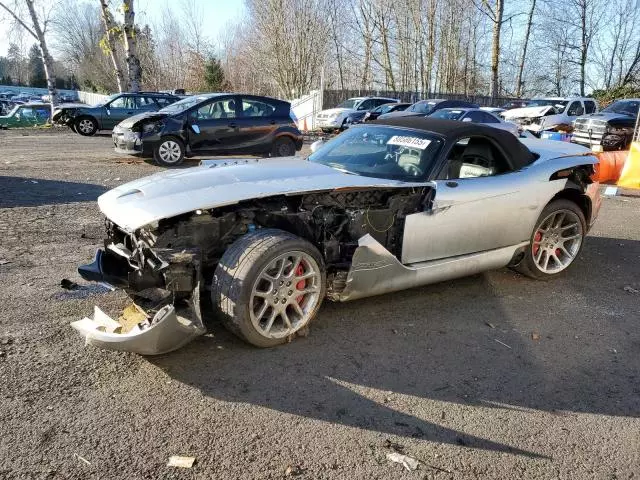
411,142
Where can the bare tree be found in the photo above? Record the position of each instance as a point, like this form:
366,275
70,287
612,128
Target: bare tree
37,28
523,58
133,62
111,31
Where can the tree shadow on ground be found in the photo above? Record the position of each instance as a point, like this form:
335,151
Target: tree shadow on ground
441,343
33,192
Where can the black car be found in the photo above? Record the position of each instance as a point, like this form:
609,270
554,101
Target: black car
87,120
425,107
612,128
386,108
215,123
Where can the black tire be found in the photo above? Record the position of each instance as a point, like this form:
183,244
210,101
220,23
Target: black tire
73,128
283,147
169,152
85,126
239,272
528,265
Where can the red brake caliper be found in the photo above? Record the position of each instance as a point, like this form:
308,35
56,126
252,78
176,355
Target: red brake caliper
301,284
536,242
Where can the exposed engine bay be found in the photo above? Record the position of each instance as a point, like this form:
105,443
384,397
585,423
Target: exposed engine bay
179,251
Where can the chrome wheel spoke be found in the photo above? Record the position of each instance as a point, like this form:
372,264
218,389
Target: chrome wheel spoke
572,237
296,306
285,318
263,310
272,319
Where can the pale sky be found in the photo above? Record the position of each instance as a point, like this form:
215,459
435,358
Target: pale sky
216,15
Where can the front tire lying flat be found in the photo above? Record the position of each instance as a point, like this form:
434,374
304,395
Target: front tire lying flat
268,285
556,240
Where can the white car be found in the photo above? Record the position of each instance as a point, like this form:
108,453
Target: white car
334,118
550,113
476,115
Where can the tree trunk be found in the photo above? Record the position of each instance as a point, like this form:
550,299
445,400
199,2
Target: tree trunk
110,30
584,46
130,44
38,33
495,49
524,50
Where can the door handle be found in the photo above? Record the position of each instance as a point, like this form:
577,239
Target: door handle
232,125
451,184
129,113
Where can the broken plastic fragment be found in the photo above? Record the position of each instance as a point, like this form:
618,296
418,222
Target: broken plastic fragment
406,461
166,332
182,462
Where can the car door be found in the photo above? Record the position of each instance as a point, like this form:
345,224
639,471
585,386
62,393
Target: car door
479,204
117,110
257,123
213,125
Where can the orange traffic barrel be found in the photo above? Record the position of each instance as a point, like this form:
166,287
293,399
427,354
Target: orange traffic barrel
610,166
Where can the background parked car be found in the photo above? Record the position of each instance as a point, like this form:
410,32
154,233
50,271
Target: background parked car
550,113
211,123
27,115
7,105
612,128
335,118
360,116
425,107
87,120
475,115
386,108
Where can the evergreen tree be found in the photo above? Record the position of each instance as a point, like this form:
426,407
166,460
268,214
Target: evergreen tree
214,76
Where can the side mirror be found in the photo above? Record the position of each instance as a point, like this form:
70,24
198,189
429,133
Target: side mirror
18,116
316,145
467,119
108,111
195,128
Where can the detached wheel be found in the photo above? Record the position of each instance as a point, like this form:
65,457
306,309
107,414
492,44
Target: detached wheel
169,152
86,126
556,240
268,285
283,147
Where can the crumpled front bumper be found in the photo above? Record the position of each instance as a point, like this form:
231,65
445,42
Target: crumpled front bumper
161,327
165,332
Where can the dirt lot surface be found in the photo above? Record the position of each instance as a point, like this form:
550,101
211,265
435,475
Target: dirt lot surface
491,376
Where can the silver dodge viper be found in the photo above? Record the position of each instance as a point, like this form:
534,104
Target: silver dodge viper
259,243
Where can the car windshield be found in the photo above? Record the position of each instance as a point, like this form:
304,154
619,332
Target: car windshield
624,107
13,111
382,152
543,102
109,99
448,114
422,107
351,103
384,108
184,104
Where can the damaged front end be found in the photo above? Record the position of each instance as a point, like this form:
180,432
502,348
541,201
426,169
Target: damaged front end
165,286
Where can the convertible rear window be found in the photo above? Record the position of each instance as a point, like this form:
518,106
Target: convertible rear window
382,152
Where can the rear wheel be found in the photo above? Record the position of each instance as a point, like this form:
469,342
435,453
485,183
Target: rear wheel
169,152
268,286
86,126
556,240
283,147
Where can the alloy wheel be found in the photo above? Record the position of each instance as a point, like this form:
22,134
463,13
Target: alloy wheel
556,241
285,294
169,151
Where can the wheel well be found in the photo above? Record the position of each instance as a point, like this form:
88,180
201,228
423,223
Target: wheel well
578,198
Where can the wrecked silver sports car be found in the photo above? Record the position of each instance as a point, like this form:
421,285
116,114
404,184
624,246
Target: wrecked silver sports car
384,206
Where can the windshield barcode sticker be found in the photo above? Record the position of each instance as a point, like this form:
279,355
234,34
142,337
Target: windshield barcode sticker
411,142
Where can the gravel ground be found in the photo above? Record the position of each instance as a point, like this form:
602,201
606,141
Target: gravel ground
491,376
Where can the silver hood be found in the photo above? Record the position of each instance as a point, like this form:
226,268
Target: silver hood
223,182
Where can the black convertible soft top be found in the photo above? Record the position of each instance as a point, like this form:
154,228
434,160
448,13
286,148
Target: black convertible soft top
519,155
